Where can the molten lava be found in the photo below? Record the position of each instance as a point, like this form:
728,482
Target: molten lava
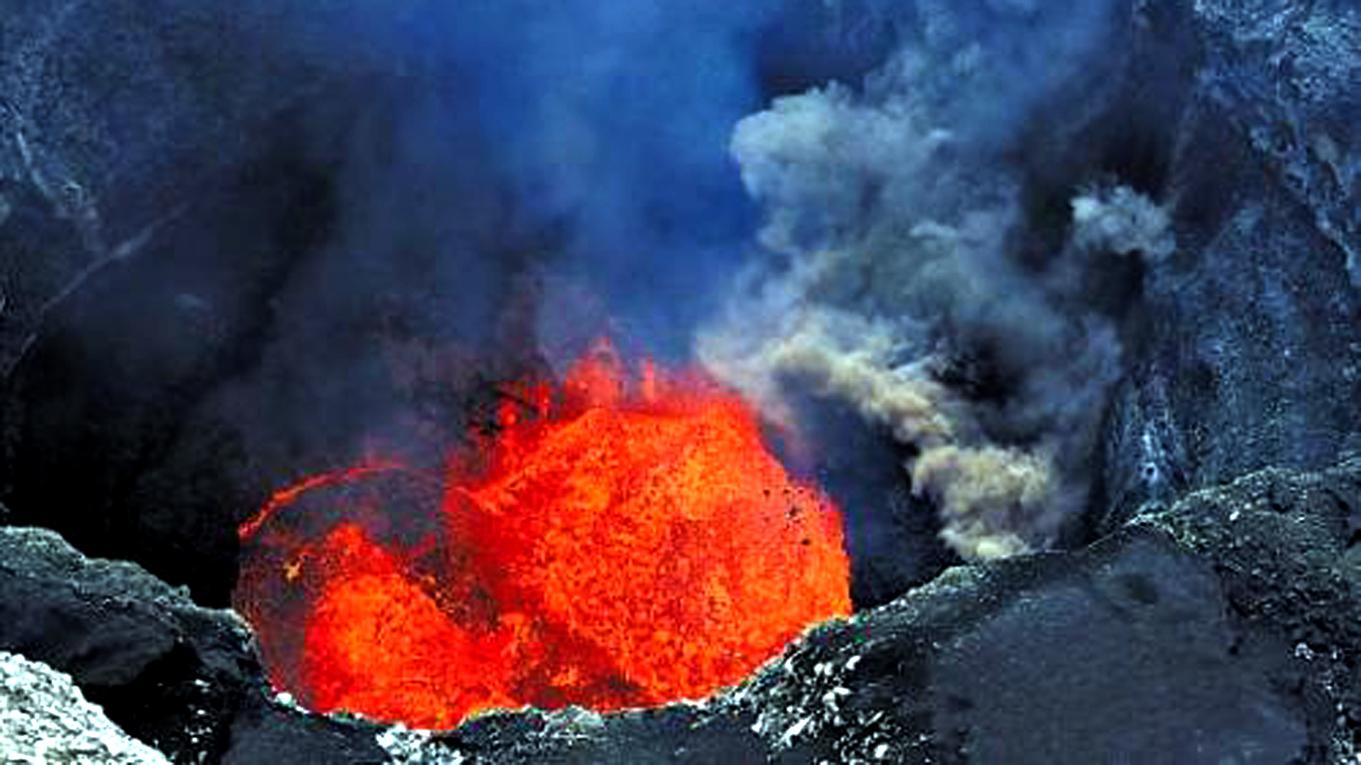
616,543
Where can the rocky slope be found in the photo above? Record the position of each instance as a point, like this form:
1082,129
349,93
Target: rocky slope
175,676
1220,629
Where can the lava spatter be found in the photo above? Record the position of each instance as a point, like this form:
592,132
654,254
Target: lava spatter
619,540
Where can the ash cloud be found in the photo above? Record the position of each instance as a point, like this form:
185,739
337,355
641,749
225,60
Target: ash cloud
365,195
903,279
601,126
406,199
506,180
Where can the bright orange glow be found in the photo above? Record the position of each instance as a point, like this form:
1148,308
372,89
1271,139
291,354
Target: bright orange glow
625,542
285,497
377,643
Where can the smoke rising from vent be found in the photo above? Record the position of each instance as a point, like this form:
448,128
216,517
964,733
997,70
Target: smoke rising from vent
893,208
603,126
390,207
498,175
896,217
1122,221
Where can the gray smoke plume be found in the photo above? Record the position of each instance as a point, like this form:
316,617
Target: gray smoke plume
897,225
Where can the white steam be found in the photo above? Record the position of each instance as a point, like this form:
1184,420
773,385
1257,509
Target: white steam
1122,221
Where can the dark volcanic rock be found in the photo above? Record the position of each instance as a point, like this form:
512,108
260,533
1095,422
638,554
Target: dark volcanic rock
109,112
184,326
1248,354
130,148
1216,622
180,678
1218,630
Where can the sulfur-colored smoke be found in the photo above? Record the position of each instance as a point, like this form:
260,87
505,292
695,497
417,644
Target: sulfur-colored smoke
986,494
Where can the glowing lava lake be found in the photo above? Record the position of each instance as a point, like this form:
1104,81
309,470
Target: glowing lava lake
620,540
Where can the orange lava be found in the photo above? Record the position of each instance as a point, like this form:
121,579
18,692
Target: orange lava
619,542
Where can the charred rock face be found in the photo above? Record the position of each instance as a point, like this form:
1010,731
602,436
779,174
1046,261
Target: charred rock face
1078,279
1249,349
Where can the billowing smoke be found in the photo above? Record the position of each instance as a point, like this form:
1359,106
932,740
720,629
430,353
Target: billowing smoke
904,281
368,213
600,125
357,217
506,180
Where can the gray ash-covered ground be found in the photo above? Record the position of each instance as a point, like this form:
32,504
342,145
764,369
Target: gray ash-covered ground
192,281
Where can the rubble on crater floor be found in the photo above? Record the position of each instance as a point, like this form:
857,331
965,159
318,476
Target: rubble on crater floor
45,719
